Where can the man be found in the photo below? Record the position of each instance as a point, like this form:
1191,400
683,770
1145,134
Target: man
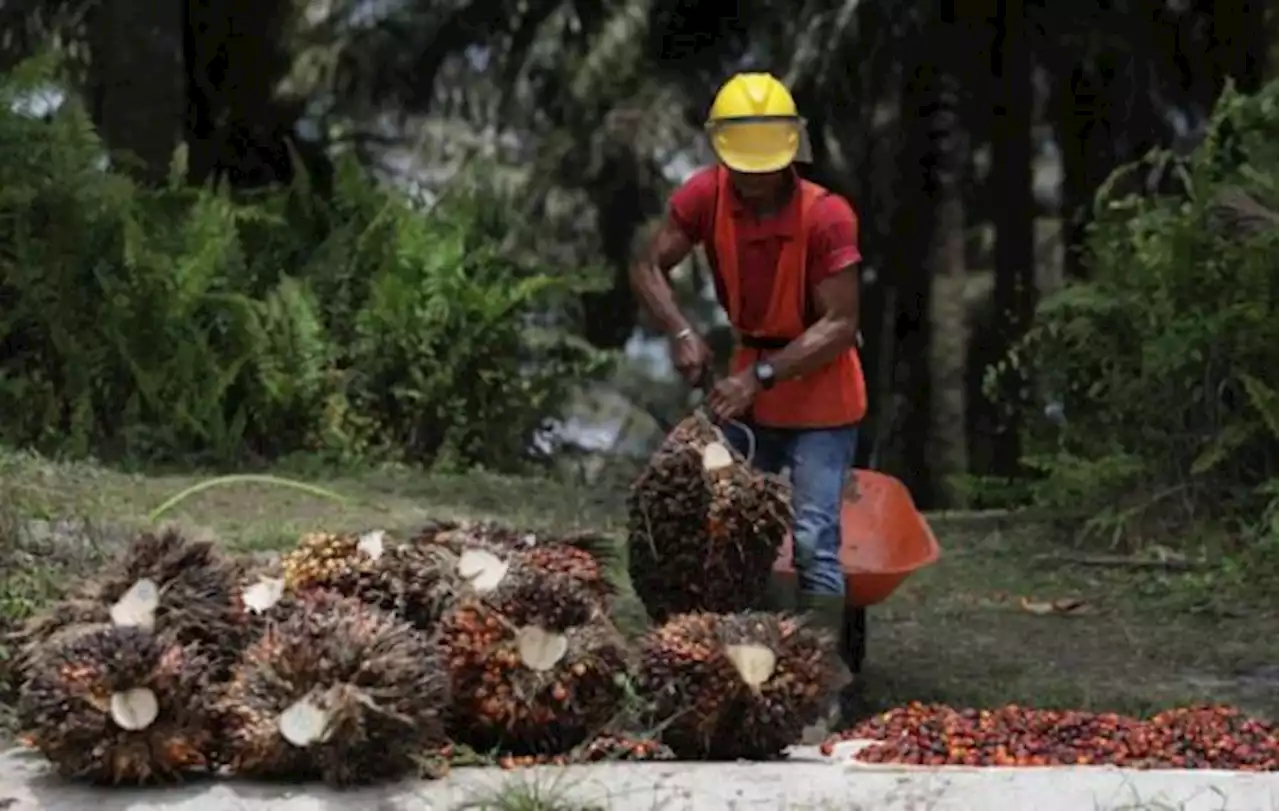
785,255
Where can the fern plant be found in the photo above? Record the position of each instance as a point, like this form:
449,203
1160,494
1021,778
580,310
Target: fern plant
185,323
1165,360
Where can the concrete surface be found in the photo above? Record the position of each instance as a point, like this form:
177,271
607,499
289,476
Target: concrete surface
807,782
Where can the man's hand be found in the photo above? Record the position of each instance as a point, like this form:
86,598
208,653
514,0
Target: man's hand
691,356
733,395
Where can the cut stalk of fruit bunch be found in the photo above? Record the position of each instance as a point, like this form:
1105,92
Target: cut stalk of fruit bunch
306,722
716,457
134,709
755,663
136,608
263,595
482,570
372,544
540,650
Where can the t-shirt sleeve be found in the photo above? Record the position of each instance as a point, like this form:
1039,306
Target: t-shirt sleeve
692,205
833,239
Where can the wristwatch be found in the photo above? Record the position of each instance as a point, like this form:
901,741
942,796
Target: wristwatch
764,373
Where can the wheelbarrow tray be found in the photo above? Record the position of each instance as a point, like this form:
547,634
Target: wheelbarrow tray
884,539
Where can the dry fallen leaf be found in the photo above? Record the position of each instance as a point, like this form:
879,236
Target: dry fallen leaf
1067,606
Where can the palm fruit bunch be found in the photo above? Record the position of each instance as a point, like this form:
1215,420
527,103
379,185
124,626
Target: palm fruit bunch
570,555
338,690
195,589
118,705
324,558
730,686
412,581
43,631
535,665
704,527
543,552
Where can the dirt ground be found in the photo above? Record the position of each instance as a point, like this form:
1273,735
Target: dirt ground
965,631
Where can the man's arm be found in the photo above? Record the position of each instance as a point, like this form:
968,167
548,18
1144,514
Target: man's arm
649,277
835,331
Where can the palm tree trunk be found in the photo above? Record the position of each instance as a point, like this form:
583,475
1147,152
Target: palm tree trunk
1015,277
136,88
930,243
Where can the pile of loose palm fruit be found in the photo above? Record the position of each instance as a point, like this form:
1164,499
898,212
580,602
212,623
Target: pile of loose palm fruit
1189,738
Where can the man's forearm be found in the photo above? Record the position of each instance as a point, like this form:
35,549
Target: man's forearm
817,346
654,291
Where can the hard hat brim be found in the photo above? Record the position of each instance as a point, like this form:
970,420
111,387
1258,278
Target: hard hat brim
748,157
755,164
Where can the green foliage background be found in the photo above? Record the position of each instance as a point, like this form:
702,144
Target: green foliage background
1164,362
187,324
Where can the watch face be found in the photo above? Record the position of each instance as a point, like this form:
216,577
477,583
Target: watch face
764,373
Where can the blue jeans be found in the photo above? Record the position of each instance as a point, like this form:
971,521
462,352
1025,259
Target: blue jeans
820,460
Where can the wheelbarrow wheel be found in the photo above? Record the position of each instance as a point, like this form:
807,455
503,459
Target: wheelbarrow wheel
854,647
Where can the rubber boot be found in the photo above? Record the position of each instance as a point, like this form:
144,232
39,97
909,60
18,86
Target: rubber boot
826,612
780,594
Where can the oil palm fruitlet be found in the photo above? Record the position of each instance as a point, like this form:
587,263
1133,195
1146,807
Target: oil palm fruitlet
338,690
730,686
704,527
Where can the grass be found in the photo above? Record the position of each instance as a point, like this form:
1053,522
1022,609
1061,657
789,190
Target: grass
528,793
955,632
958,633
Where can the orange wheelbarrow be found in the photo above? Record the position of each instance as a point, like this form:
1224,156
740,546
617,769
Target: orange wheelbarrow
883,540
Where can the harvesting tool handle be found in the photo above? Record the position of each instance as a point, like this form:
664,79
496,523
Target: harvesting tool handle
706,381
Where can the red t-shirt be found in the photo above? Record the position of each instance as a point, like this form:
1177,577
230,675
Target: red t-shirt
833,241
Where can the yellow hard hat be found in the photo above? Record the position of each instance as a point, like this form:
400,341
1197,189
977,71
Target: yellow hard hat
754,126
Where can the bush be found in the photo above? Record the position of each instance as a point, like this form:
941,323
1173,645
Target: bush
1160,370
181,323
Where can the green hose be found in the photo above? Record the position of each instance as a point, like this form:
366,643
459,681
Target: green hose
243,478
